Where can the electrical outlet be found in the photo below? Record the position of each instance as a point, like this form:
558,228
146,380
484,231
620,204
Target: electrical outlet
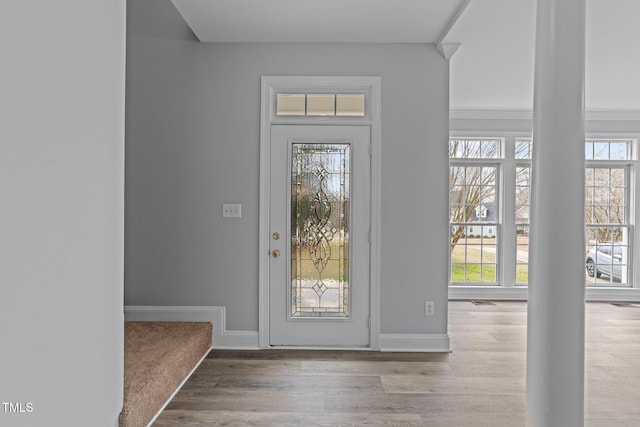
231,211
428,308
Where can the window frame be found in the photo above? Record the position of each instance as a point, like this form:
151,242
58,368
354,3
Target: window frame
630,209
507,288
506,244
496,162
520,163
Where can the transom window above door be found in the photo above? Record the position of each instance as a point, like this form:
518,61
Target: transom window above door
322,105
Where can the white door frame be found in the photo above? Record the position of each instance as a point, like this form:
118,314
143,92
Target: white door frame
371,88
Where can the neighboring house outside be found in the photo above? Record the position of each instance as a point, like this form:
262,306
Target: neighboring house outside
485,215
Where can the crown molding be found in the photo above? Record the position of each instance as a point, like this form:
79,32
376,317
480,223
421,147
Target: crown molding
452,22
491,114
591,115
625,115
447,49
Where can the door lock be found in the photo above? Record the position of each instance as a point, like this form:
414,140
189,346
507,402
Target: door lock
276,236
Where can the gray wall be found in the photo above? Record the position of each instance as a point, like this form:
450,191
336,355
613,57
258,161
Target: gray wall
61,211
193,115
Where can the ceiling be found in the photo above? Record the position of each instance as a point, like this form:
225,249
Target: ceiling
491,71
493,68
318,21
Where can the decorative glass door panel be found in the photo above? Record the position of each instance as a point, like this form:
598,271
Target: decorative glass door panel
320,178
320,219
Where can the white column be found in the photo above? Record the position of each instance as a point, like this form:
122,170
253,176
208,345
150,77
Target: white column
555,333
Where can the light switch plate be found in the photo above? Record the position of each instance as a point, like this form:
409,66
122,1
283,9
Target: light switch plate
231,210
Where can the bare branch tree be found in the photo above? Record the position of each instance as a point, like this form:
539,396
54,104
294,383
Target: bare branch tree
469,185
605,201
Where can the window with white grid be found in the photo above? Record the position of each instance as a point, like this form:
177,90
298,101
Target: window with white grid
607,212
474,216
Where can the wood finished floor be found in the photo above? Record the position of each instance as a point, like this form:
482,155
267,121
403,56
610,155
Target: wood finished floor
481,383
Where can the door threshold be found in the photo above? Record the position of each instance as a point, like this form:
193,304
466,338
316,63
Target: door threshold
322,348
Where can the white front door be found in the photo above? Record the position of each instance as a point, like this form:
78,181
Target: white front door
319,236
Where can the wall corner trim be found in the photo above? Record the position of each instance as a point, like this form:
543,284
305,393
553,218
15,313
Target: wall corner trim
415,342
221,337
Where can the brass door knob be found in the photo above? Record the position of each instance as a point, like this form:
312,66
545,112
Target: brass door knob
276,236
275,253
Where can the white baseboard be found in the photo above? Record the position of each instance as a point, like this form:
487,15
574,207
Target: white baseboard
222,338
415,342
248,340
613,294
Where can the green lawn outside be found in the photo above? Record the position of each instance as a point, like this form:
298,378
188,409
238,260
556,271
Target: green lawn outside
522,273
480,265
336,269
474,272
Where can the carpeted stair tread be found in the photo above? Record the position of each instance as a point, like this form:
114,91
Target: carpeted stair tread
158,356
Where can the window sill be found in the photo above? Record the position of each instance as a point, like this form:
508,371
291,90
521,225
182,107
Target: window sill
519,293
